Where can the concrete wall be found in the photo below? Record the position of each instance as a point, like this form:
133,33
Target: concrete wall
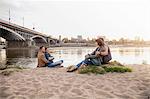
17,44
24,44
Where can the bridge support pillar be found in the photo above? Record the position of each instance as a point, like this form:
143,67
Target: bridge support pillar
30,43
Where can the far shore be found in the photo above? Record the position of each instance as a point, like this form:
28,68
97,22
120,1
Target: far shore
93,45
78,45
56,83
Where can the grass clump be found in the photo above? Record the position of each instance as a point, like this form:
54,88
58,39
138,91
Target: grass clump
119,69
114,63
9,69
110,67
92,69
16,67
7,72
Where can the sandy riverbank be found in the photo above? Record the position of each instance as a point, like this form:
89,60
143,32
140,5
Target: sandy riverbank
48,83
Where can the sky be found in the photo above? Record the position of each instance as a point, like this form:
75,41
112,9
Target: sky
89,18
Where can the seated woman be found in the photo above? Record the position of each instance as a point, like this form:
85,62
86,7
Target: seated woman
50,59
101,55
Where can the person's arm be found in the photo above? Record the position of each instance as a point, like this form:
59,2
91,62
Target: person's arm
105,52
51,58
44,58
93,53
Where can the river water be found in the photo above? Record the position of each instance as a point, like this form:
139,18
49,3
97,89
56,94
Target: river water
73,55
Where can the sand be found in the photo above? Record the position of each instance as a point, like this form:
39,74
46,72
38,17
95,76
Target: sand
55,83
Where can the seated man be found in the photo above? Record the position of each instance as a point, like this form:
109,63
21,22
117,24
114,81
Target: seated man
43,59
50,59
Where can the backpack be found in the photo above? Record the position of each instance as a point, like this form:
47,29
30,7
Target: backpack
108,57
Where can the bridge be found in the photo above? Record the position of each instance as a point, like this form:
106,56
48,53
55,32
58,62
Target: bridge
18,36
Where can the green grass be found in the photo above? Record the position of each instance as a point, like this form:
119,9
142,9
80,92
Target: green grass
15,66
114,63
92,69
9,69
8,72
118,69
111,67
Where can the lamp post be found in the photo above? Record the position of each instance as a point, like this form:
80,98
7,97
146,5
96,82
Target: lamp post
9,15
23,21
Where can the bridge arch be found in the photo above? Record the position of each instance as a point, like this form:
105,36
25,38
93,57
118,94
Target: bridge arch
38,39
10,35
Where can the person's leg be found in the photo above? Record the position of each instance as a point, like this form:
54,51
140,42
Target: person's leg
54,64
79,64
74,67
46,55
85,62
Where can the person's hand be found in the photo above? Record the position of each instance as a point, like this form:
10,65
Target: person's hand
51,58
98,52
87,56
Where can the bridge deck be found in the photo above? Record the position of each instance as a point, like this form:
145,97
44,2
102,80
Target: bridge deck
20,28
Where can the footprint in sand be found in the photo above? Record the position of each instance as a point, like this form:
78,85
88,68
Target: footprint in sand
107,88
18,97
77,91
24,89
65,88
44,96
88,87
5,92
145,93
104,94
124,96
71,97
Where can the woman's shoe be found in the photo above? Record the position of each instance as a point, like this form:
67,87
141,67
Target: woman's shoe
71,68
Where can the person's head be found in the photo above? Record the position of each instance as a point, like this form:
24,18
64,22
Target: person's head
101,38
100,42
45,49
42,48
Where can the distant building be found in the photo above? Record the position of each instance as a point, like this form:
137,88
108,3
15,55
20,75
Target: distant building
59,37
73,40
79,37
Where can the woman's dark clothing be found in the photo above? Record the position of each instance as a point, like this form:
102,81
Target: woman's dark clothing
93,59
